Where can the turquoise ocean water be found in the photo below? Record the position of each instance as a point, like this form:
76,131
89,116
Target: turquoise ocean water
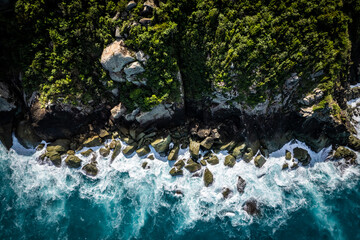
40,201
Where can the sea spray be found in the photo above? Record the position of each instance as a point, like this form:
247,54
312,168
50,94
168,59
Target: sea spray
124,200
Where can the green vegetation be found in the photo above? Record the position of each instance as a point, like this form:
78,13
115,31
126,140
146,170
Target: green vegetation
247,49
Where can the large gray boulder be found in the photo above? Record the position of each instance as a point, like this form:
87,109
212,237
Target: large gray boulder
116,56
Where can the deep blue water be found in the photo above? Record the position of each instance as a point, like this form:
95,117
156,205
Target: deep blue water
124,201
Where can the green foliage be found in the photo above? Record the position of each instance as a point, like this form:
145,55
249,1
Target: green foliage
246,49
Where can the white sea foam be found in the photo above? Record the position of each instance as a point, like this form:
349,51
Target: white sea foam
125,179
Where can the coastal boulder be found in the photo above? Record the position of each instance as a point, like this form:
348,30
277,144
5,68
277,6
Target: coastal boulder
241,184
73,161
213,159
251,207
249,154
176,172
61,146
91,169
192,166
354,143
226,192
287,155
142,151
118,111
259,161
54,157
116,151
229,161
345,153
194,149
174,153
239,150
208,177
302,155
161,144
130,149
104,152
87,152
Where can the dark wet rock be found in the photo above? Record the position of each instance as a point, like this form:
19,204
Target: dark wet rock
285,166
302,155
87,152
239,150
174,153
176,172
161,144
226,192
203,162
70,152
104,152
151,157
113,144
143,151
180,164
54,157
207,143
61,146
91,169
229,161
288,155
144,165
92,142
259,161
354,143
213,159
192,166
251,207
40,147
241,184
73,161
194,149
116,151
249,154
345,153
26,135
130,149
208,177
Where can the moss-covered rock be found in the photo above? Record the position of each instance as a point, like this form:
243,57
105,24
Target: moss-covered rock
174,153
143,151
354,143
302,155
249,154
161,144
61,146
345,153
87,152
239,150
285,166
116,151
92,142
213,159
208,177
192,166
105,151
288,155
180,164
91,169
54,157
176,172
207,143
73,161
259,161
130,149
229,161
194,149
